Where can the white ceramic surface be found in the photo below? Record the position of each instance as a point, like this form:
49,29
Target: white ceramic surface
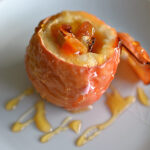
131,131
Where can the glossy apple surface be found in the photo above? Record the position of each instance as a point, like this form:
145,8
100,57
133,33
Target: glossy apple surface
65,84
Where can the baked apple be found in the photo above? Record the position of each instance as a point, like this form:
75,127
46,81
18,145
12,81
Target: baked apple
72,58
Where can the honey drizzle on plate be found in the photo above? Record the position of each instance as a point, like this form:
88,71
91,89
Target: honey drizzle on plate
59,129
12,104
75,126
19,125
90,107
116,104
142,97
114,101
40,117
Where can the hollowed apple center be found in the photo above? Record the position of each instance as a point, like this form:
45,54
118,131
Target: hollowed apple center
76,38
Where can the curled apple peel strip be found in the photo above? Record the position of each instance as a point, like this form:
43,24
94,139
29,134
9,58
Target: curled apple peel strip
138,58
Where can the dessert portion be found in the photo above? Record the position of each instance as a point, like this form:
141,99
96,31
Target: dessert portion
72,58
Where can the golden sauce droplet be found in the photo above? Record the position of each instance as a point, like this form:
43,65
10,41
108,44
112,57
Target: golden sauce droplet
48,136
61,128
81,110
94,130
142,97
116,104
84,138
11,104
28,91
40,118
107,123
18,126
75,125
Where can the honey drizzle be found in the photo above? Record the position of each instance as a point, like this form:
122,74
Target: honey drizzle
59,129
40,117
142,97
90,107
19,125
116,105
75,126
12,104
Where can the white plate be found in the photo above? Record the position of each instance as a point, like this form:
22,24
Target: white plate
131,131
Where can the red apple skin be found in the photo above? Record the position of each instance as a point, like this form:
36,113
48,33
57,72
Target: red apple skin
67,85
